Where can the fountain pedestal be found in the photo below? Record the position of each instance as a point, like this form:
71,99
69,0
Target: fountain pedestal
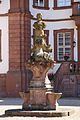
38,97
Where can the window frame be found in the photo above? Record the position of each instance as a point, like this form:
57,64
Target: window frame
45,7
38,3
61,7
63,46
56,43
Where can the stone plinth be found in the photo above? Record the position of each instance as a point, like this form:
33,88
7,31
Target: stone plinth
35,99
58,113
39,99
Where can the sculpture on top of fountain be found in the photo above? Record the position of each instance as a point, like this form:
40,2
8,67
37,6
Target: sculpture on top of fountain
40,51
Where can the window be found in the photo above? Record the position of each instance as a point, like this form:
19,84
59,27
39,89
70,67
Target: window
39,3
63,44
61,3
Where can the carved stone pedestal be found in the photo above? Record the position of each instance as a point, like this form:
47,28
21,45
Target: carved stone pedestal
39,97
35,99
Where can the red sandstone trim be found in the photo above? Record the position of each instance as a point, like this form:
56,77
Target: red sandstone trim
47,38
54,20
0,45
3,15
38,7
60,8
3,85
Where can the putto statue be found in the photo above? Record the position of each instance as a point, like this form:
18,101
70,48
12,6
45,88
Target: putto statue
40,50
39,26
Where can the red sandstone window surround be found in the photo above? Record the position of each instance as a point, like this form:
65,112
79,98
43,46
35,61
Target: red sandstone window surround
41,4
62,4
47,38
63,44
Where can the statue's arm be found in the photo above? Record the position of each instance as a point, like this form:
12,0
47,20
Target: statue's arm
44,25
35,25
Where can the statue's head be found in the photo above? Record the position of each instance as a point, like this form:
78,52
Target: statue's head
39,16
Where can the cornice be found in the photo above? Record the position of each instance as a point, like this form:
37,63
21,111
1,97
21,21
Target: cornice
54,20
13,13
4,15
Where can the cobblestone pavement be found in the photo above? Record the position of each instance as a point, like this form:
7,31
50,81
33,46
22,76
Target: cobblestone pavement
16,103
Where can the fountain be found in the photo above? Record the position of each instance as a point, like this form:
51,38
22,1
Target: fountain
39,98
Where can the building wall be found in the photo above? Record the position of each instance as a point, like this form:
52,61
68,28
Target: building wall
60,19
16,25
55,20
15,46
4,61
51,13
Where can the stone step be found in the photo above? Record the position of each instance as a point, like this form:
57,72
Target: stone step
49,113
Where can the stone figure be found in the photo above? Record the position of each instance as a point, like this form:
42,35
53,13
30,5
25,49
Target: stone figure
39,26
40,50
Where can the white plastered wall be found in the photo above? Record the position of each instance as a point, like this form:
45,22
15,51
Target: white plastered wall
4,64
51,13
4,6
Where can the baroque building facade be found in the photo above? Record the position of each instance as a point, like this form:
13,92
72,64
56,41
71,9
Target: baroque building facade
62,18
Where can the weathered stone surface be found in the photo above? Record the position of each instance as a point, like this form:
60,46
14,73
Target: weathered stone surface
52,113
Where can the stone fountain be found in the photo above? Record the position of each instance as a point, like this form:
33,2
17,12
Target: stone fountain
40,100
39,97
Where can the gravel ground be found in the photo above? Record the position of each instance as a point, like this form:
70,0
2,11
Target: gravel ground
16,103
